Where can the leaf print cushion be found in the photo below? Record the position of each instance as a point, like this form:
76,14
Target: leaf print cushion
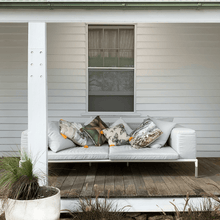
116,136
145,134
71,130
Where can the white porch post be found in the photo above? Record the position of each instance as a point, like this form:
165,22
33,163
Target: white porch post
37,98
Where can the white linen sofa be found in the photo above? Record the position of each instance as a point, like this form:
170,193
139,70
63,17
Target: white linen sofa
181,147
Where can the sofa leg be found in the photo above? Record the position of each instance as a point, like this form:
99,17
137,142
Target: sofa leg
90,164
127,164
196,168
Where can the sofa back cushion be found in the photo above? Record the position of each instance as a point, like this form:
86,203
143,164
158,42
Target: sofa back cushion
121,121
133,126
55,140
166,128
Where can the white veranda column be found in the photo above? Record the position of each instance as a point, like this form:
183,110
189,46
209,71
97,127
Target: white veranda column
37,98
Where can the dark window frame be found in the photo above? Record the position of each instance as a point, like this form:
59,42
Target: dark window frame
112,68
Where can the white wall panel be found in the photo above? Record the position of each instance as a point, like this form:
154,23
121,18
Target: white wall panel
178,76
66,70
66,77
13,85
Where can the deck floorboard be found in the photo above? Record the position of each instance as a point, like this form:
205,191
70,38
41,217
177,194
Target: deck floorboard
110,180
148,180
130,188
89,181
116,180
76,188
138,180
68,182
99,187
157,175
119,181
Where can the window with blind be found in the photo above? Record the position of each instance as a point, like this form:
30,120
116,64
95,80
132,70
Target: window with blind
111,68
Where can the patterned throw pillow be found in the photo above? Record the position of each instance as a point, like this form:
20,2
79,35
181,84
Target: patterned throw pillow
117,135
145,134
93,130
121,121
71,130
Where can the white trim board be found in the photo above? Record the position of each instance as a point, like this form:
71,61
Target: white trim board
136,204
123,161
109,16
139,204
110,1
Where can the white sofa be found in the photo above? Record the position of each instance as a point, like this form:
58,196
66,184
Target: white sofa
181,147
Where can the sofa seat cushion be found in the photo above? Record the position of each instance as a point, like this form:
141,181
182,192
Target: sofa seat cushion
126,152
80,153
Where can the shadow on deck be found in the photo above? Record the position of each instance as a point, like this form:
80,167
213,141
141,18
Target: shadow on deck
138,180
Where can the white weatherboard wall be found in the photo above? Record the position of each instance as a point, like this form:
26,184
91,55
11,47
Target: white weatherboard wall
66,78
67,70
13,85
177,76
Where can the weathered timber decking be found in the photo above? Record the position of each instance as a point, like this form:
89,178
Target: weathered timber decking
137,180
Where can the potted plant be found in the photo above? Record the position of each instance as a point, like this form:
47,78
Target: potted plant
23,198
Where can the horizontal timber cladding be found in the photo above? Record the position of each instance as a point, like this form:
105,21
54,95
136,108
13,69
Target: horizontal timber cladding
66,62
66,70
13,85
178,76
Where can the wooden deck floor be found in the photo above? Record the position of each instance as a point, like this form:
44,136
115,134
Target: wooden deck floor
137,180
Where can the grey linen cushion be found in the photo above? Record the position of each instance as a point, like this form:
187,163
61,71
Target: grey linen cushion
81,153
55,140
126,152
166,128
121,121
136,124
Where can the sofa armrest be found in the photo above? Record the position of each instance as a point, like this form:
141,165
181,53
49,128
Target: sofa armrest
183,141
